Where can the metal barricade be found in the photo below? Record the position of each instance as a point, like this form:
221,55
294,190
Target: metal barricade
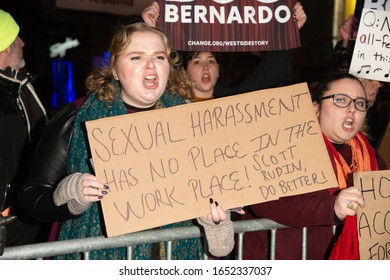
85,245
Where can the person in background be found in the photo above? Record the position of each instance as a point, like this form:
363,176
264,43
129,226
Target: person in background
378,116
343,56
341,117
22,118
202,68
341,105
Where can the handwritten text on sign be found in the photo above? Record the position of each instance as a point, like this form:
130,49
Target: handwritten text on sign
373,221
371,55
163,166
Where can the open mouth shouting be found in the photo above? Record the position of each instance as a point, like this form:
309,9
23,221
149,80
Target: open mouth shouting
206,78
348,124
150,81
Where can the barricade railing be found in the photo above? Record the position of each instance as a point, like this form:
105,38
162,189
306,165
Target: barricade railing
85,245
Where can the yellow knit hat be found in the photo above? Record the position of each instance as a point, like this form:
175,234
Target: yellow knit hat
9,30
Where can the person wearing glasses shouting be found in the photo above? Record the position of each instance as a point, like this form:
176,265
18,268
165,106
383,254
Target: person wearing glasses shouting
343,101
341,104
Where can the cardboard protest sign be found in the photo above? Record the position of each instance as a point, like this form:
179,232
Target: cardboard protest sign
229,25
373,221
163,166
371,55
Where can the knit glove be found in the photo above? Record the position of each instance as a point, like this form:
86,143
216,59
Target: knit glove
220,238
69,191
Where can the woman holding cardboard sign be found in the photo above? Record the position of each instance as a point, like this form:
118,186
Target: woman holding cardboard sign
136,79
341,105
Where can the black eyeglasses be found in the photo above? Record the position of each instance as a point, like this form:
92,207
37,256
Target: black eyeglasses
343,101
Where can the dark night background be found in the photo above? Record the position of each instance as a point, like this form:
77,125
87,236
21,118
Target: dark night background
42,25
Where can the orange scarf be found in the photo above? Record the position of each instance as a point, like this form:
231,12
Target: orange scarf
363,159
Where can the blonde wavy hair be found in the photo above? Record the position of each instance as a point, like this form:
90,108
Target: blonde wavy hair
101,80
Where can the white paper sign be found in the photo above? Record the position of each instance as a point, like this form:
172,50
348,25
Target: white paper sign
371,55
377,4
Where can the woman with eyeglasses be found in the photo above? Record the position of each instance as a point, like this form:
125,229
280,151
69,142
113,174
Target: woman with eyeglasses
341,105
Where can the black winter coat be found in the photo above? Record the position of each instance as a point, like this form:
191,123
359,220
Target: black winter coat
22,118
49,168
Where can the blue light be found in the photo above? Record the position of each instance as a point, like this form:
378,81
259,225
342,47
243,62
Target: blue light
106,58
54,100
63,91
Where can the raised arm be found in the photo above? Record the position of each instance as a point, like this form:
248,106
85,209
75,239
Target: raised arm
151,14
299,15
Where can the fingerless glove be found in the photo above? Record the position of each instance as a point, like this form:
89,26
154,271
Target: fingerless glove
220,238
69,191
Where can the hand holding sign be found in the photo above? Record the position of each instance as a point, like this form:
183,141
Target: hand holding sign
238,150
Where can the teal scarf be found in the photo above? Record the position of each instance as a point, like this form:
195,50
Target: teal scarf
90,223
